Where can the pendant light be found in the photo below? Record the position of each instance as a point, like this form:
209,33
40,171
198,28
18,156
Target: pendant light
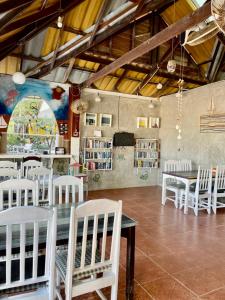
171,65
151,105
98,98
18,78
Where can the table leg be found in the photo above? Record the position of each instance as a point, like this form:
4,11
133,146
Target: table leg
130,263
187,184
164,190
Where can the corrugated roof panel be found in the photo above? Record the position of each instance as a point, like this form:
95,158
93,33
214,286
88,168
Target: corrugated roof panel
106,84
148,90
128,86
50,41
34,46
86,64
9,65
79,77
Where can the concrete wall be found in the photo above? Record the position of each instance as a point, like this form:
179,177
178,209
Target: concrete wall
124,111
205,149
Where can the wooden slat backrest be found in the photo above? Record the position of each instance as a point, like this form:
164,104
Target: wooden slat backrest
185,165
63,185
29,164
220,178
23,221
43,177
204,180
98,212
17,192
8,164
9,173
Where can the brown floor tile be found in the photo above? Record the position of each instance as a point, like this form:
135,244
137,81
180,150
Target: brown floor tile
139,294
168,289
215,295
203,280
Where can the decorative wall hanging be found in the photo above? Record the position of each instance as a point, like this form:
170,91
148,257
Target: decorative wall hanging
90,119
105,120
212,123
218,11
56,95
142,122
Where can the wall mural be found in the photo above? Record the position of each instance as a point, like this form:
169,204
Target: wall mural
55,94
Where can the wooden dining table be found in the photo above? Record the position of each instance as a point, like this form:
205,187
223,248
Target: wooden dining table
128,226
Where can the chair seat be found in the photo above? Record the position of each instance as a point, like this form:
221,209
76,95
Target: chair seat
177,185
61,263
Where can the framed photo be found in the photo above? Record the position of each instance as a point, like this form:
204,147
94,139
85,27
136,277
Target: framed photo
154,122
105,120
90,119
142,122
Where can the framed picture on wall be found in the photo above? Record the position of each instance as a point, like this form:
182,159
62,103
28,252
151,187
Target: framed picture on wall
154,122
105,120
142,122
90,119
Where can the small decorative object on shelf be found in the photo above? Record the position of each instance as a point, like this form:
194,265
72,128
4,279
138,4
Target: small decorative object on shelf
147,153
63,128
97,153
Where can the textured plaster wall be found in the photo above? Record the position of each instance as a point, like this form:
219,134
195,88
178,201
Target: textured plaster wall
205,149
124,112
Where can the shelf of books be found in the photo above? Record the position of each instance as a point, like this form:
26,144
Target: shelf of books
147,153
98,153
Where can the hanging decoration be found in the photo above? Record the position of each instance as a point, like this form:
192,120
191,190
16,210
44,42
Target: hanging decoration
218,12
171,65
19,78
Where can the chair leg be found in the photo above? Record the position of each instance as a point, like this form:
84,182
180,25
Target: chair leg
114,290
176,200
214,204
196,207
101,295
209,205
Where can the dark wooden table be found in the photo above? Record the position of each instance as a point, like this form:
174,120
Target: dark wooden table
128,226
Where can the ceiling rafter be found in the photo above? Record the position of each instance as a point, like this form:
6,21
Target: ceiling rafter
8,45
69,69
69,29
71,52
9,5
12,14
163,36
100,17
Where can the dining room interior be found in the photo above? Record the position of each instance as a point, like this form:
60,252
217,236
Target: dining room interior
112,149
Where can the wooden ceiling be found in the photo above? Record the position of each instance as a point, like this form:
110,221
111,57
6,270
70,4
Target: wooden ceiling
115,45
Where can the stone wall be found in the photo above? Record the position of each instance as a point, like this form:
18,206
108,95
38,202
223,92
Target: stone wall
206,149
124,112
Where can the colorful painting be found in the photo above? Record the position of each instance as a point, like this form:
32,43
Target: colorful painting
55,94
212,123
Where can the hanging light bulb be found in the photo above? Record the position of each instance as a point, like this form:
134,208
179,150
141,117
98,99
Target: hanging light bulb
19,78
177,127
179,136
59,22
159,86
98,98
171,66
151,105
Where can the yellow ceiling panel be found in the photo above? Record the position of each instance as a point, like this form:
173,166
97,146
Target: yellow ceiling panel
128,86
50,41
107,83
67,36
148,90
137,75
86,64
87,12
9,65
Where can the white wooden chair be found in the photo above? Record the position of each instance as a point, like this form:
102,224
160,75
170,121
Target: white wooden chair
172,185
9,173
29,164
63,186
199,196
219,189
17,192
79,266
8,164
43,178
27,271
185,165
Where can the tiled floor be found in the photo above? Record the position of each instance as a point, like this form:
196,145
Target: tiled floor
178,257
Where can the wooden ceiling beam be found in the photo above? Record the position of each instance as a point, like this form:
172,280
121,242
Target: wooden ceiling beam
49,11
100,17
12,14
10,5
163,36
8,45
69,29
111,30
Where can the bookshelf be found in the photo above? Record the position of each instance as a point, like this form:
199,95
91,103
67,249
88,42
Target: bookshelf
97,154
147,153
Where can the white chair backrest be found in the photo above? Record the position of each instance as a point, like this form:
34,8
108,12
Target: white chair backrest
17,192
65,184
92,210
9,173
8,164
21,226
185,165
30,164
204,180
171,166
43,177
219,183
